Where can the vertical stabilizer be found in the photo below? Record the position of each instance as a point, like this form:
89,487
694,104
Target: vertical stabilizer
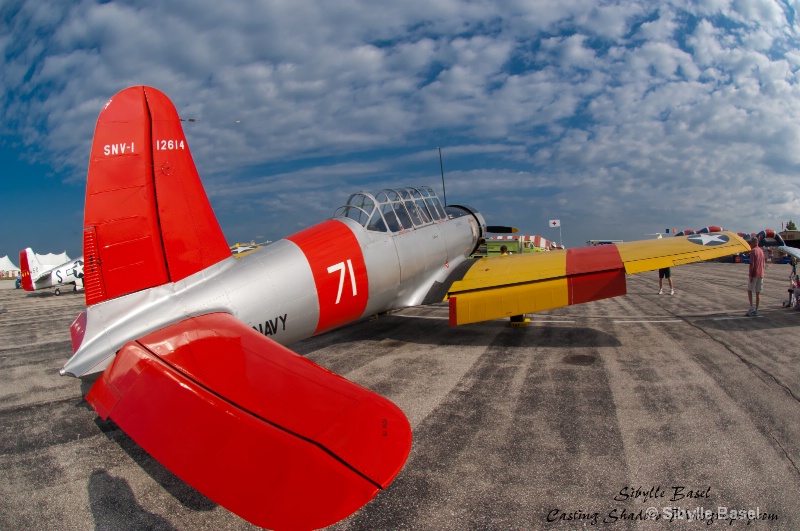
147,220
27,263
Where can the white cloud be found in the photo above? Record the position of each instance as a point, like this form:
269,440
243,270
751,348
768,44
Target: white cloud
649,113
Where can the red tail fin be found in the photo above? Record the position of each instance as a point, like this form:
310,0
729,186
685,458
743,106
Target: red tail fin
147,220
25,271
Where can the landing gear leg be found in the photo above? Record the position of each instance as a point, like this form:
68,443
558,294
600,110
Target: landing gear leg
519,321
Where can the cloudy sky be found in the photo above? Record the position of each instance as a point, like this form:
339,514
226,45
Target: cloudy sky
620,118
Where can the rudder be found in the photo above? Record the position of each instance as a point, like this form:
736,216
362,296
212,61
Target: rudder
147,219
27,263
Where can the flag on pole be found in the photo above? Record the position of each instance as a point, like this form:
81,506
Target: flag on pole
555,223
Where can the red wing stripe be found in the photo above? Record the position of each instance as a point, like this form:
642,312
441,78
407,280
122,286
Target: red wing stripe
453,311
593,259
595,273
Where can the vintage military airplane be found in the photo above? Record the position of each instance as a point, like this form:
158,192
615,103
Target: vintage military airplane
35,276
190,339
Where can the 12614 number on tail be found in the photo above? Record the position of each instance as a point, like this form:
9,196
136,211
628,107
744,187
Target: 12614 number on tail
170,145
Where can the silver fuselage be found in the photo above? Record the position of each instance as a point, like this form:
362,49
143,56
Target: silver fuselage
273,289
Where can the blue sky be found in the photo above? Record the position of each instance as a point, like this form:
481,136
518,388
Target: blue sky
618,118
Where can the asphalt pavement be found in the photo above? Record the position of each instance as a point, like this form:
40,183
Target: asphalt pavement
640,412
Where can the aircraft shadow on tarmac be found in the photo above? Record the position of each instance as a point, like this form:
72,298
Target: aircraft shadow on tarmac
180,490
47,293
427,331
176,487
111,497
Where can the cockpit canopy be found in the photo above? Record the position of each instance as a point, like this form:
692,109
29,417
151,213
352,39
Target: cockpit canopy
394,210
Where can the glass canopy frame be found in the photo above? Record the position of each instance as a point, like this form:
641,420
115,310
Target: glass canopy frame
391,210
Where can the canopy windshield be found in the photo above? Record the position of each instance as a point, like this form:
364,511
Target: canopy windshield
394,210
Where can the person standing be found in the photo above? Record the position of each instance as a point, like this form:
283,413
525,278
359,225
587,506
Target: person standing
755,279
662,274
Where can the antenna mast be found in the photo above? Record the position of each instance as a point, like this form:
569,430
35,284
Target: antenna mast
441,166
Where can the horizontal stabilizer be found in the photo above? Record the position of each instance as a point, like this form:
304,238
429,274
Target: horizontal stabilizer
271,436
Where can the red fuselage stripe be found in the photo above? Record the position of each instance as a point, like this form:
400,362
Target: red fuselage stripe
339,271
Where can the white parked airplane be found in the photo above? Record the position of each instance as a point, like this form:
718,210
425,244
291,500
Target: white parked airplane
36,276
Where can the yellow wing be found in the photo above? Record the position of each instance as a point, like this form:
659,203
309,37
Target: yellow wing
492,288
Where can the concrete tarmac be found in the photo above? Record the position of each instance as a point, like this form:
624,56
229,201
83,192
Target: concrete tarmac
595,416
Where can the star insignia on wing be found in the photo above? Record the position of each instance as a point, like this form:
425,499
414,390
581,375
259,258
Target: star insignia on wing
709,239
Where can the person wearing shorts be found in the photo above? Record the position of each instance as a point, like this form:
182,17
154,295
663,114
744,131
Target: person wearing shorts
662,274
755,279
